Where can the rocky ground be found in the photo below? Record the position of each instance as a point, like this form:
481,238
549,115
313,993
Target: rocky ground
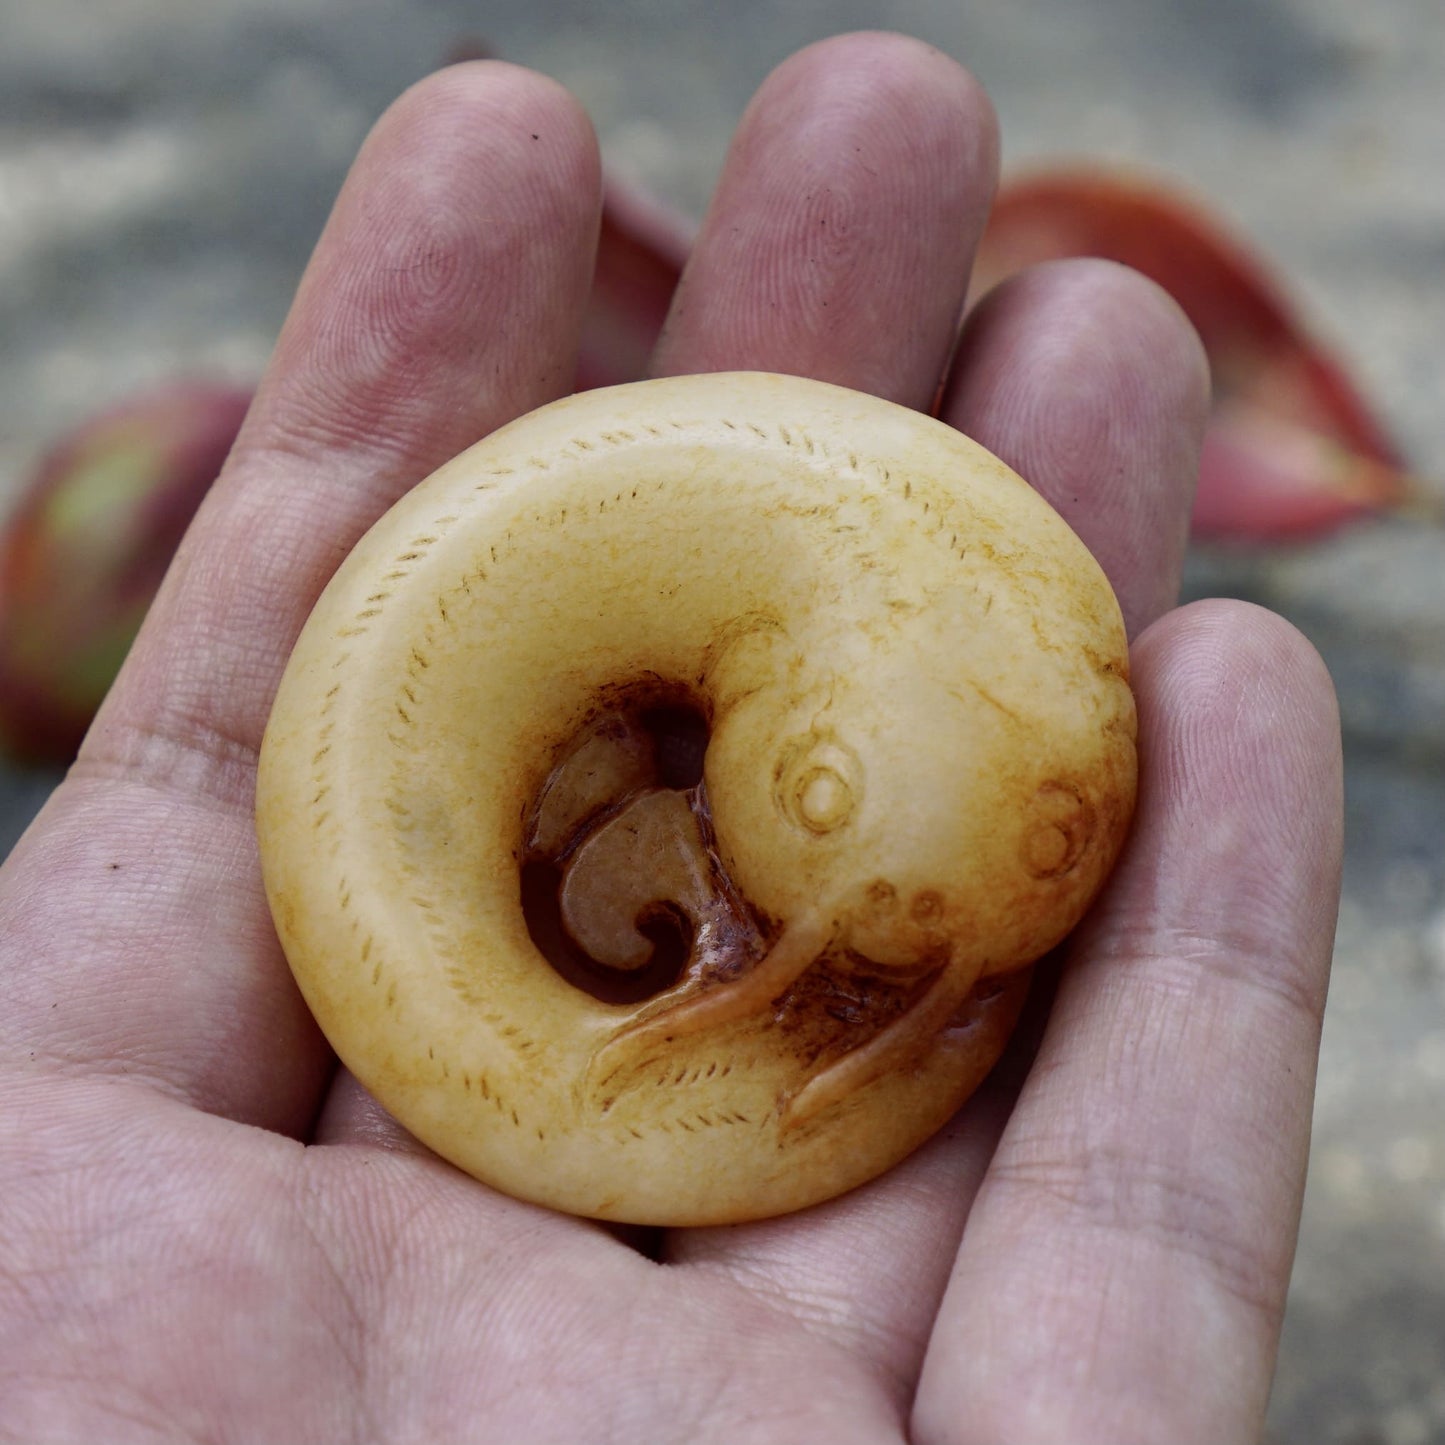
164,168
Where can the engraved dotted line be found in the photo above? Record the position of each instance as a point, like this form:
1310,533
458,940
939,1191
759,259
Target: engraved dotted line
690,1120
794,437
477,1082
416,550
323,780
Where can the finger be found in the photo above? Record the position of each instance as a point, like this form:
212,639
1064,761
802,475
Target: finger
1087,380
1123,1272
874,1266
838,243
827,1266
442,300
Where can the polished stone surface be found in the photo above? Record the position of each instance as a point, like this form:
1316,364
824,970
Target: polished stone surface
164,168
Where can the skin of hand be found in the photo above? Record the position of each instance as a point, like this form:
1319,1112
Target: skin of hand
207,1233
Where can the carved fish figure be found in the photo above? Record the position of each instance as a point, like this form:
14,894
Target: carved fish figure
665,800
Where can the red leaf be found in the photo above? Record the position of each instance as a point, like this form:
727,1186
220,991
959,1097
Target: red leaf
1293,449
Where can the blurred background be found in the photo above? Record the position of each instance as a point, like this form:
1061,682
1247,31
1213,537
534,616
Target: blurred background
165,166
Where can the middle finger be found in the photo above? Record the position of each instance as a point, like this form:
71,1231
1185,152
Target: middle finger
838,248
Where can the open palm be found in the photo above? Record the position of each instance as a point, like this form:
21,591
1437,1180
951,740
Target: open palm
207,1233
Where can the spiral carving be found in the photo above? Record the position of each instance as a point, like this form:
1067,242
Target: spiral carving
665,800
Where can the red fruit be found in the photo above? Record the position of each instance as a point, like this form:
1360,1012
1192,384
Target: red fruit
84,551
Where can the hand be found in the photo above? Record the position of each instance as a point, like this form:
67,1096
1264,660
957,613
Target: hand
207,1234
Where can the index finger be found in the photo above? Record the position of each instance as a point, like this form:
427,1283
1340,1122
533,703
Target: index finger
444,298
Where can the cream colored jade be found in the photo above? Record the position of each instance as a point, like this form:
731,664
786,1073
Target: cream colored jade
665,799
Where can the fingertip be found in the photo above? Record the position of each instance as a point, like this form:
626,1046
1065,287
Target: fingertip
1240,754
838,242
457,102
1088,380
1089,295
455,262
899,101
1225,632
1247,693
881,64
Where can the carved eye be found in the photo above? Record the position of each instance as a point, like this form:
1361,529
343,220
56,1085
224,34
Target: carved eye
1060,827
819,784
